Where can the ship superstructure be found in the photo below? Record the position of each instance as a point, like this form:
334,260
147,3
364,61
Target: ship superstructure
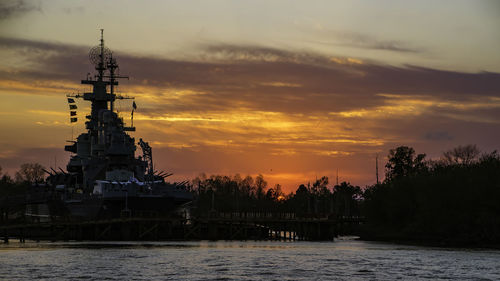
105,151
103,175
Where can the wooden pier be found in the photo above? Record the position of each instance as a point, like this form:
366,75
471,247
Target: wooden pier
215,226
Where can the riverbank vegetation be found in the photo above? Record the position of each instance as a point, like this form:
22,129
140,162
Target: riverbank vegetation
453,201
28,174
237,194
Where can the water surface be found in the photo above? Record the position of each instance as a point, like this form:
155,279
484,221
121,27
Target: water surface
341,260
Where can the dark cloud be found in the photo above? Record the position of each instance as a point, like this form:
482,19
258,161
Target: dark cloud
258,78
438,136
39,46
365,41
11,8
426,81
391,46
229,52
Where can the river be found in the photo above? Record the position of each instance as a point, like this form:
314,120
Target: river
344,259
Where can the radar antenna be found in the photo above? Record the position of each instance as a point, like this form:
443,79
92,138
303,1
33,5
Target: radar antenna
99,55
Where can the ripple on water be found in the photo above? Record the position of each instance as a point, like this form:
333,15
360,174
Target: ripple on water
345,259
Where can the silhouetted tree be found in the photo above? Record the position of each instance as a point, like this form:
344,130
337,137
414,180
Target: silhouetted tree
275,193
402,162
9,187
5,179
30,173
345,198
302,190
319,187
261,186
301,204
465,155
247,187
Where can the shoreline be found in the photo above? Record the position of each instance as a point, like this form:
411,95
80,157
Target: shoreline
426,242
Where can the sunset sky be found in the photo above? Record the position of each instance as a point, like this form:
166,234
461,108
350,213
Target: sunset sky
292,90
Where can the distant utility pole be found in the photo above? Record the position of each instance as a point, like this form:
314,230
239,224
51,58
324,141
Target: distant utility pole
337,176
376,167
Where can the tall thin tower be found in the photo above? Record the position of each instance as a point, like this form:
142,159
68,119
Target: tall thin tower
376,167
337,176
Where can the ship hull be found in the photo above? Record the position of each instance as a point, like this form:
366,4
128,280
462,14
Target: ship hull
87,208
140,206
108,208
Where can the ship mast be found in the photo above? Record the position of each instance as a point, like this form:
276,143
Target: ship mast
100,67
103,60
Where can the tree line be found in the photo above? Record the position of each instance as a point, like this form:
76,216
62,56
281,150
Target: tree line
248,194
454,200
28,174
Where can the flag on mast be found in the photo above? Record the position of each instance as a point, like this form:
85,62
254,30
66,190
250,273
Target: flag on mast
134,107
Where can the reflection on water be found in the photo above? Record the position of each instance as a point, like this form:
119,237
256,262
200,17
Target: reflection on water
204,260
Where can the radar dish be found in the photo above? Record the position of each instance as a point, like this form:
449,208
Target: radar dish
95,55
